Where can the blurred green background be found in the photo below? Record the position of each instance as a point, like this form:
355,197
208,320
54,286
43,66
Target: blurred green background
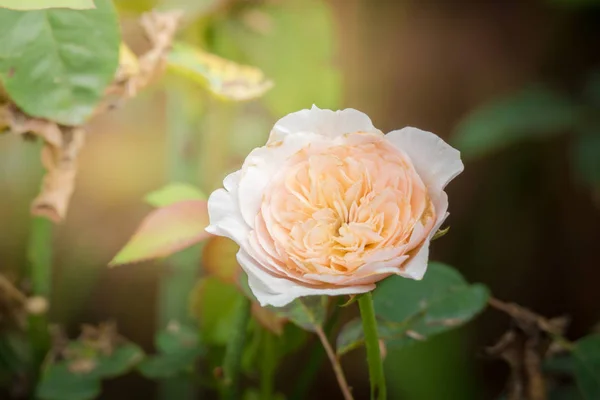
515,85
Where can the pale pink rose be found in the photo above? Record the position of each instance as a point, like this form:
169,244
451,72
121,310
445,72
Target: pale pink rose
331,205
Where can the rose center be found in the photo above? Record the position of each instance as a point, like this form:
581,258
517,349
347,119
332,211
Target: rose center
337,208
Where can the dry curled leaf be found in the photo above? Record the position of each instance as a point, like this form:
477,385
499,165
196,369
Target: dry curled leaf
135,73
12,304
525,347
59,158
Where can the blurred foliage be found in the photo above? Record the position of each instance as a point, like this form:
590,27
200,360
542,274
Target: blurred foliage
279,57
274,38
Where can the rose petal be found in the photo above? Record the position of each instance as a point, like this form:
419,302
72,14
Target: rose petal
323,122
277,292
224,213
415,267
436,162
262,164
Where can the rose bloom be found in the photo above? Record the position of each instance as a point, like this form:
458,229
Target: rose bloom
331,205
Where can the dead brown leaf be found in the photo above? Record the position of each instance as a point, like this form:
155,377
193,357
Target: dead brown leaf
135,74
59,158
524,348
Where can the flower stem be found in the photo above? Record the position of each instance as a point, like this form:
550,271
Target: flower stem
233,353
181,269
39,255
335,363
268,365
369,323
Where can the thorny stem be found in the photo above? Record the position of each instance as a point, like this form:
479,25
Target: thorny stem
369,323
335,363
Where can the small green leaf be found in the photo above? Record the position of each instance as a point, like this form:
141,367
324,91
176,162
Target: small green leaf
165,231
440,233
533,112
224,78
306,312
169,365
59,383
173,193
57,63
587,366
42,4
410,311
178,347
119,362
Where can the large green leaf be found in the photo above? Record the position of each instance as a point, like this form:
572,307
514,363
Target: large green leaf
42,4
306,312
57,63
410,311
533,112
587,366
165,231
293,43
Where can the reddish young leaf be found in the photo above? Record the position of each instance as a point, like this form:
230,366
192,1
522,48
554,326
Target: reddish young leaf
165,231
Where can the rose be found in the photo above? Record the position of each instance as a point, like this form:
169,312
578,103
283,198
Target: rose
331,205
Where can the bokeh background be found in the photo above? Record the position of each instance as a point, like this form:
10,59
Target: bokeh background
514,84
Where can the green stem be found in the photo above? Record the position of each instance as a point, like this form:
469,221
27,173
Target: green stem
39,256
369,322
268,365
235,346
181,269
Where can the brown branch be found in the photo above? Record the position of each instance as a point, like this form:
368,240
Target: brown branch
529,320
335,363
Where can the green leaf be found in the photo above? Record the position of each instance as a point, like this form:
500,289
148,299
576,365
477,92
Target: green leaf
173,193
410,311
222,77
535,112
119,362
59,383
275,38
42,4
56,64
306,312
165,231
585,156
178,347
216,323
587,366
169,365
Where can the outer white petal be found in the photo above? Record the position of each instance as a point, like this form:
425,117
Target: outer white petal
323,122
224,213
436,162
278,292
415,267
